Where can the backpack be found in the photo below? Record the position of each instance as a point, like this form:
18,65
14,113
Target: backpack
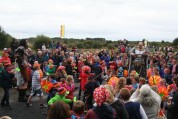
76,117
123,49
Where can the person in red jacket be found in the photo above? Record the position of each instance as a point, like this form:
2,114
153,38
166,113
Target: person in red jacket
85,73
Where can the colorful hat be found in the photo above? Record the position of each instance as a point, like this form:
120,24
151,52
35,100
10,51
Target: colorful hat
100,95
57,84
61,68
62,91
86,69
36,64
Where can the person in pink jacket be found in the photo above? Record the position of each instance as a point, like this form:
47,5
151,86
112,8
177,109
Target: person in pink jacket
70,86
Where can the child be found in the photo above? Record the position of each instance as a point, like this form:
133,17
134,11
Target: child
5,82
135,81
52,79
51,67
120,69
142,81
129,83
90,87
78,110
36,87
53,90
167,75
71,88
63,82
60,96
45,67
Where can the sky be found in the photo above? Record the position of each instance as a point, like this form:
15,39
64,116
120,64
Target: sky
154,20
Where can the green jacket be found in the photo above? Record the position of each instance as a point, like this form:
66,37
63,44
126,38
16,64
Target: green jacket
59,98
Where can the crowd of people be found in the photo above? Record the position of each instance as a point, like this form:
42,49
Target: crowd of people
110,87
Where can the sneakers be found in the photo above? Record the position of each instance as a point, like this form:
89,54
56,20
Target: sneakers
43,106
28,105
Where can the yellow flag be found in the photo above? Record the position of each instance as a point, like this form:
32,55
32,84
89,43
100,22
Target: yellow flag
62,31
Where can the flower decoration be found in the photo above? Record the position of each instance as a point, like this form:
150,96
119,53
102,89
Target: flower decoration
154,80
163,92
46,85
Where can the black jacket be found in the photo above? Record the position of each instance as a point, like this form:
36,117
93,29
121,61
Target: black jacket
173,108
121,112
6,79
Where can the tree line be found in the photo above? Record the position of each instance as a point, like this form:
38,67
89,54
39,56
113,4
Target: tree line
88,43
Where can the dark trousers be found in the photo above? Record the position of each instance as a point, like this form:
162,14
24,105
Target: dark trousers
89,101
22,95
5,99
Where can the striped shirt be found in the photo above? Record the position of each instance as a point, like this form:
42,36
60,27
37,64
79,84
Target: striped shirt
36,79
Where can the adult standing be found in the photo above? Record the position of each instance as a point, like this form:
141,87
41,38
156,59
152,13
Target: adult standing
21,72
149,99
174,67
172,105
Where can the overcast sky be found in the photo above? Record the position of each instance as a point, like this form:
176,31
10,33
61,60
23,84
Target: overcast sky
154,20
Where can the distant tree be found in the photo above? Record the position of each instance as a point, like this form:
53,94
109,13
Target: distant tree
87,46
80,45
175,42
40,40
5,39
111,46
88,42
109,42
163,41
154,43
97,45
